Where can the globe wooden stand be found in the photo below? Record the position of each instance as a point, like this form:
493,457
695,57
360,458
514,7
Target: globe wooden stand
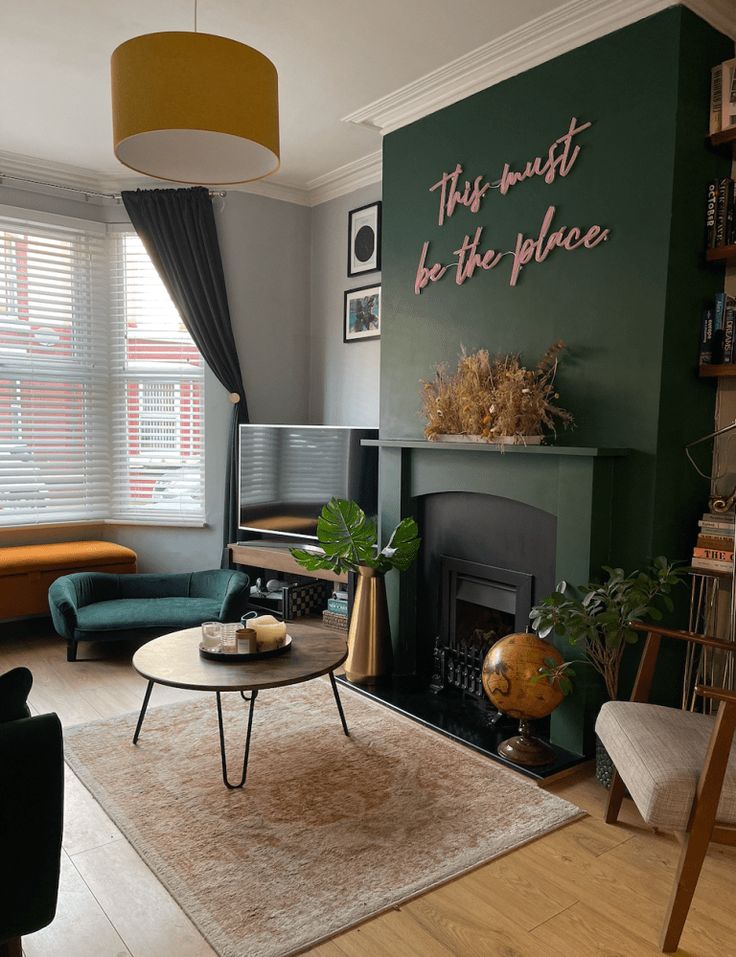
526,749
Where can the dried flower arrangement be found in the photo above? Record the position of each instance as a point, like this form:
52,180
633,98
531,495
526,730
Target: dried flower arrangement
496,399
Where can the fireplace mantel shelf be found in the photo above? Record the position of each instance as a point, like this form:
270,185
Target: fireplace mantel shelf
424,444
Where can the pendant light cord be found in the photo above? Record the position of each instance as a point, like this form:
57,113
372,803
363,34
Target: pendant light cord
195,16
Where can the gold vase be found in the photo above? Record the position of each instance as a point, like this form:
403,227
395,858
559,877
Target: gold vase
370,656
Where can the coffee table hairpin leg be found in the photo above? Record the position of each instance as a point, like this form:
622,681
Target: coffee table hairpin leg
253,696
141,716
339,704
252,701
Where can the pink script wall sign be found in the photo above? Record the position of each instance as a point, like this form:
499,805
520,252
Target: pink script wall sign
559,160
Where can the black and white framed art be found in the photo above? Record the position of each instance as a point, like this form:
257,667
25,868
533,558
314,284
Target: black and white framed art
364,239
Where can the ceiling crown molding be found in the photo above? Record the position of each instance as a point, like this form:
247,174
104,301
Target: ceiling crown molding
45,176
51,178
345,179
569,26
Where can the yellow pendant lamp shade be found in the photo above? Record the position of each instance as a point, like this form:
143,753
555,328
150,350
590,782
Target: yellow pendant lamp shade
195,108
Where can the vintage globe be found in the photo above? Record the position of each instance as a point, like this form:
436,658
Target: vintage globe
507,672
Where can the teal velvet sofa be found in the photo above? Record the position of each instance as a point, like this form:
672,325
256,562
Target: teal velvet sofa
95,606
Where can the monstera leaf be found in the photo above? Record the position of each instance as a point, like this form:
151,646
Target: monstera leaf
344,532
403,546
347,539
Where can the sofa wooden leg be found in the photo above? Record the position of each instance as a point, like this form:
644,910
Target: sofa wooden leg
71,650
615,797
11,948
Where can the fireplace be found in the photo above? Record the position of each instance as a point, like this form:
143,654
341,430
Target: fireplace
539,511
479,605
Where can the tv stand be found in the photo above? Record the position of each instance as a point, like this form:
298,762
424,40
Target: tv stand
276,557
268,543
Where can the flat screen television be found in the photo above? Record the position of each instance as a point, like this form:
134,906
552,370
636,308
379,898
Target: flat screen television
289,472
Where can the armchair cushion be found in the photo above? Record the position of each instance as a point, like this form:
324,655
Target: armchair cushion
15,686
659,753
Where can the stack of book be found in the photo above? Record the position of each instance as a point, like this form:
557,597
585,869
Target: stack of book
723,97
336,614
713,550
717,331
720,222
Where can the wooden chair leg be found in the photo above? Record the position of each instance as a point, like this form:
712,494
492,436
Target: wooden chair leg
689,866
11,948
615,797
702,821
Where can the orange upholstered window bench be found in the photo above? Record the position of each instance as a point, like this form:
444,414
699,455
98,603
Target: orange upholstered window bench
27,571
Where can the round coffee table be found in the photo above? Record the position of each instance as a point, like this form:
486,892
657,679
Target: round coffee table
174,660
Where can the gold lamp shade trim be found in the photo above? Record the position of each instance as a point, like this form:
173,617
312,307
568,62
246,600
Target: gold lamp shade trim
195,108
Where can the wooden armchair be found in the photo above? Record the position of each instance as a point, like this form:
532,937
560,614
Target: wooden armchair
679,768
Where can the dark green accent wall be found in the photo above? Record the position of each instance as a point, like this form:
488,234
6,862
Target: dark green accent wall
628,309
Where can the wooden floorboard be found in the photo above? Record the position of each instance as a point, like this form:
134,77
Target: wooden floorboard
588,889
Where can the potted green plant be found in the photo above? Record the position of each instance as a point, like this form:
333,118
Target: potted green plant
596,616
348,541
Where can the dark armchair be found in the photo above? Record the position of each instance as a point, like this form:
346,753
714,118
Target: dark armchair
31,813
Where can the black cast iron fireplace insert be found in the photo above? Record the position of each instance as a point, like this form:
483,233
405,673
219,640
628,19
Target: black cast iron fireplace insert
479,605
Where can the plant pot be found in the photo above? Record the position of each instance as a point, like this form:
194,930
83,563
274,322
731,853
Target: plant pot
499,440
604,767
370,655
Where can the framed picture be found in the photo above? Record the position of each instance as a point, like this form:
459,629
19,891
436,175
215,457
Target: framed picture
362,318
364,239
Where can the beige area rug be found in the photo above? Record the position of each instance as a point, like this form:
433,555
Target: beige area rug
328,831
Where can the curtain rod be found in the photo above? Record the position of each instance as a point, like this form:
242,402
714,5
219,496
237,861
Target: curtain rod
75,189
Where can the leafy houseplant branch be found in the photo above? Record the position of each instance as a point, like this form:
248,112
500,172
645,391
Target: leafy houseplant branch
596,616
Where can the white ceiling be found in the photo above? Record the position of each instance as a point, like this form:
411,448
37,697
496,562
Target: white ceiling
333,57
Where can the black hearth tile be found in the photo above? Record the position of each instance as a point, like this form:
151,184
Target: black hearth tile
463,719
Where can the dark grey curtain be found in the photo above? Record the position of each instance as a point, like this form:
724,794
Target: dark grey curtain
177,227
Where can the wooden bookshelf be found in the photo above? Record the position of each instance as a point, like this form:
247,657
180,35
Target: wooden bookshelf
721,254
724,137
717,371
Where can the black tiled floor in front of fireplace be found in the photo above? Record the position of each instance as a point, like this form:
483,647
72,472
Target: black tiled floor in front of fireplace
461,719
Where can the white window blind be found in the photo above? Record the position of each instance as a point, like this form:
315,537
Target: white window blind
54,450
157,383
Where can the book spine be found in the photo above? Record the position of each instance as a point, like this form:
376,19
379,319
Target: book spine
728,337
334,626
337,605
728,231
339,622
710,214
729,329
728,94
713,554
334,616
716,99
722,210
719,318
708,564
706,338
722,542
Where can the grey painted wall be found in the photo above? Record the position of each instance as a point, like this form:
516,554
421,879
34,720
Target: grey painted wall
266,256
344,376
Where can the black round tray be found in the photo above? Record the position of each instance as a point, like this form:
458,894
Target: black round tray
227,656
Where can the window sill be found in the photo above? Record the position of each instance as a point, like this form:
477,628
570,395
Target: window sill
156,523
100,523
